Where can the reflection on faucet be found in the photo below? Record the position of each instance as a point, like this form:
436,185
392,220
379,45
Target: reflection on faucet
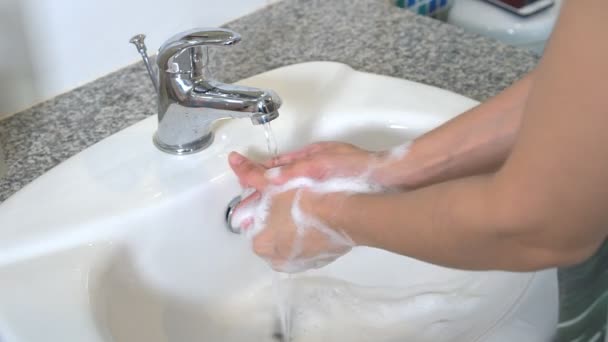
189,101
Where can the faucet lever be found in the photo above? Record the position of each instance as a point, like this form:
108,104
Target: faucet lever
196,40
138,41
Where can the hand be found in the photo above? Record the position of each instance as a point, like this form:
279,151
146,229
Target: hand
281,223
294,240
321,161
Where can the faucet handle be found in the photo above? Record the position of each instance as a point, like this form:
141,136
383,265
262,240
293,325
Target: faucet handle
196,40
212,36
138,41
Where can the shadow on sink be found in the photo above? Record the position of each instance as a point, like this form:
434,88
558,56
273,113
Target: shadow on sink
135,298
128,306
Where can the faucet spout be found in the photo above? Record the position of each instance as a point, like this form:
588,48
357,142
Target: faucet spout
235,101
187,115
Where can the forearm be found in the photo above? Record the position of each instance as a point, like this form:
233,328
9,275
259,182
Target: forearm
453,224
446,224
546,206
475,142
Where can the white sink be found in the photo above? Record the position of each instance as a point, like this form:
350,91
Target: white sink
123,242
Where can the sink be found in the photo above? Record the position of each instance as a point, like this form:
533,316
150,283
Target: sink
123,242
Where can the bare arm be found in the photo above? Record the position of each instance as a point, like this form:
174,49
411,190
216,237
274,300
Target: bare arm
477,141
546,206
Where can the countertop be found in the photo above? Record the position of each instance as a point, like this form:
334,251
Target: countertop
369,35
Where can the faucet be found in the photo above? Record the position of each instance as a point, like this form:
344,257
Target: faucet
189,100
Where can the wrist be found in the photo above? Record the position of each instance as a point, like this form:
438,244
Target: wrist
334,209
406,166
329,208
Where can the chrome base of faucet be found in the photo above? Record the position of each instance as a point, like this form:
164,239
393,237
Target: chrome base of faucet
191,147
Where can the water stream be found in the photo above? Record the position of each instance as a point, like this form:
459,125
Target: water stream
271,142
282,284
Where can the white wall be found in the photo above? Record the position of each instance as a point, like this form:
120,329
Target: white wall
51,46
16,72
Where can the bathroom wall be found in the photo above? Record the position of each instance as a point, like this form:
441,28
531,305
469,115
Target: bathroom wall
51,46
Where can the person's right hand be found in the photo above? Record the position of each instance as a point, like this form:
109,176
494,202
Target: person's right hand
321,161
286,232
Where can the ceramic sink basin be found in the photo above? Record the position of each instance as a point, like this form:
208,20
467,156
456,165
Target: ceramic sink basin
123,242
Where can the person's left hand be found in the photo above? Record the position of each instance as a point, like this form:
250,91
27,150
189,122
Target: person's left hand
284,229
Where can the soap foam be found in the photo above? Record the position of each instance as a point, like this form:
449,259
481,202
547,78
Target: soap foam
252,216
394,154
257,213
258,210
399,151
334,310
273,172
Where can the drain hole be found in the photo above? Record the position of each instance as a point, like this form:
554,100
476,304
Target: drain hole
278,336
228,217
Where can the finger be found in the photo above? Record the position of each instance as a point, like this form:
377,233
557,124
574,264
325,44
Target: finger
247,223
306,168
280,265
249,199
276,161
285,159
290,157
243,215
263,244
250,174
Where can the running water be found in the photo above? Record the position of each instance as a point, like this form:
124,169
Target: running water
271,142
282,287
282,281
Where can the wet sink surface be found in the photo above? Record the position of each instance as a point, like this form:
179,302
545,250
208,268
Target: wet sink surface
125,243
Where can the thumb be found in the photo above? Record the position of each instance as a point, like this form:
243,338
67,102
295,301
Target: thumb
250,174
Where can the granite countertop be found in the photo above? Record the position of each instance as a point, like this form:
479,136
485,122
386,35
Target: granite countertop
369,35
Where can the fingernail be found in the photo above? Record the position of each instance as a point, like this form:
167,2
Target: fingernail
272,173
236,158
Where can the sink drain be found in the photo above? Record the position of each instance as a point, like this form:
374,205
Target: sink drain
278,336
229,211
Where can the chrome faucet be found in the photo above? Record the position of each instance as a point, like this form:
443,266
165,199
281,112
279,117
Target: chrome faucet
189,100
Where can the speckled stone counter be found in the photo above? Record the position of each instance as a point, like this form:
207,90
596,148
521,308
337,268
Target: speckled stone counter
369,35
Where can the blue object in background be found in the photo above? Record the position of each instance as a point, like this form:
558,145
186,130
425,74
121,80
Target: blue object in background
432,6
425,7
